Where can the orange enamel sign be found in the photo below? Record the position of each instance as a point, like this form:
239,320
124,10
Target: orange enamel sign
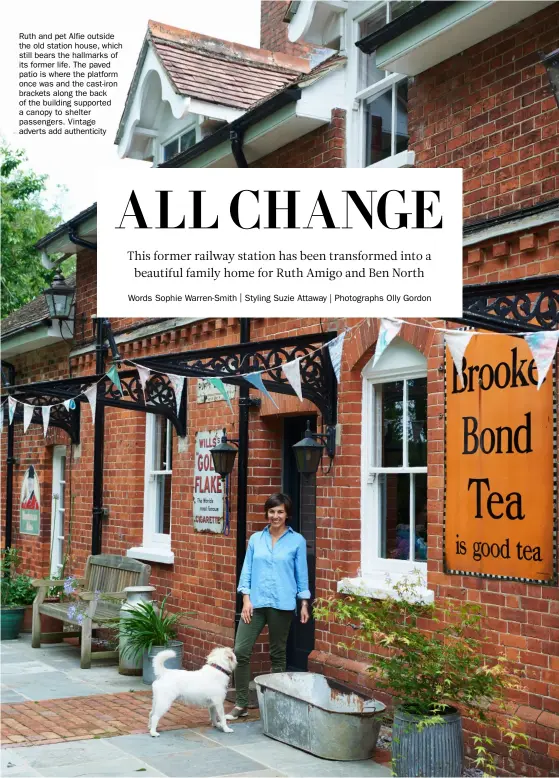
499,463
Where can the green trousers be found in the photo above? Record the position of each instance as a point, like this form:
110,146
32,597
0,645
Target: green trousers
278,623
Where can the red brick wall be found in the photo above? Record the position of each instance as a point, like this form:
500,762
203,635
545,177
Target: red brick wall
273,30
491,111
323,147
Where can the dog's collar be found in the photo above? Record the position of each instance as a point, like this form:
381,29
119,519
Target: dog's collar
217,667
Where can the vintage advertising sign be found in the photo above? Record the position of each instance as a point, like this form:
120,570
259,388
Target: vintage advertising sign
30,503
499,464
207,393
208,486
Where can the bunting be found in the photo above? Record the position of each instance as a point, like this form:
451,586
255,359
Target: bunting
256,380
292,371
115,378
27,415
11,409
143,374
46,418
389,328
69,404
178,386
457,343
91,395
543,346
220,386
335,348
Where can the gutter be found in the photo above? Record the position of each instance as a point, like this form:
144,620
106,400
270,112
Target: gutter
402,24
236,128
24,327
67,228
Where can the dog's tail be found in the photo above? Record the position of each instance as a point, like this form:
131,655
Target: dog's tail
159,660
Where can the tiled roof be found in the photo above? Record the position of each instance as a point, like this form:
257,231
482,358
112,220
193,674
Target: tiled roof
219,71
32,313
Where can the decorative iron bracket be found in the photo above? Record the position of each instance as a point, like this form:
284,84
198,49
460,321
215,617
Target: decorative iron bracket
524,305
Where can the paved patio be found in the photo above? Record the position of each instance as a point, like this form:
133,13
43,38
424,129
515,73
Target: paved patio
59,720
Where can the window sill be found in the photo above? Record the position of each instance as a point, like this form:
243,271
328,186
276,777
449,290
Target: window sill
379,588
403,159
165,556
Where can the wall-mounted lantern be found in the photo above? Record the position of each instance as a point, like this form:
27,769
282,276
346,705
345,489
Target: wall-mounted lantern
308,452
60,298
223,456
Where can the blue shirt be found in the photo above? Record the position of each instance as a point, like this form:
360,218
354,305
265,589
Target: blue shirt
275,577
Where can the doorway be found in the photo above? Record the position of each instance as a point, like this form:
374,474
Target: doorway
302,490
58,511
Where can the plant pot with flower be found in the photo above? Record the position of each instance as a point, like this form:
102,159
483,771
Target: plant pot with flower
430,658
17,592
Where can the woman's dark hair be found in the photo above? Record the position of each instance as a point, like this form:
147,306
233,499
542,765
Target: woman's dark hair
275,500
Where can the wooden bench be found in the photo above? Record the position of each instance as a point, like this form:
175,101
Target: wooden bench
107,574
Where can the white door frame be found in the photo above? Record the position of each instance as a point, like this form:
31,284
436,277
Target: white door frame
58,510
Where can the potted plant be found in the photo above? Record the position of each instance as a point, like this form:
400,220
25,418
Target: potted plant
430,658
146,631
17,592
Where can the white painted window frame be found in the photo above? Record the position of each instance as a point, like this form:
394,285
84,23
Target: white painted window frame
156,546
192,125
58,512
356,136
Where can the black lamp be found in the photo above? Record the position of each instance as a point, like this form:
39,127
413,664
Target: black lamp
223,456
308,452
59,298
551,62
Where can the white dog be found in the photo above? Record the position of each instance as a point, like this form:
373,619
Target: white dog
204,688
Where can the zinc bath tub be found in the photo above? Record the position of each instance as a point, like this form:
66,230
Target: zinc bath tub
323,717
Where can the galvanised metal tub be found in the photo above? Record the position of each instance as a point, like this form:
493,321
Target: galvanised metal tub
323,717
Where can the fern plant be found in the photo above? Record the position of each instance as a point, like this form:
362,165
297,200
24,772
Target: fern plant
146,626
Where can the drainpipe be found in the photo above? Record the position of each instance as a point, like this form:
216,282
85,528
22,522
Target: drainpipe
10,461
242,473
80,241
98,445
236,137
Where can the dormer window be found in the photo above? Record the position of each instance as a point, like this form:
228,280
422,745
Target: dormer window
179,144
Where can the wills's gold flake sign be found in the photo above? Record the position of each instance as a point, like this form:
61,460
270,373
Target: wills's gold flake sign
500,507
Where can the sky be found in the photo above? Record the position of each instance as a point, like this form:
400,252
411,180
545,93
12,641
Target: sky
72,163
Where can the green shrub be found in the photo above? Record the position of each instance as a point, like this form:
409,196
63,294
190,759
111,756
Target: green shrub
145,627
16,589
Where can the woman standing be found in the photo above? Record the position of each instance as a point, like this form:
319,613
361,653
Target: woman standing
273,577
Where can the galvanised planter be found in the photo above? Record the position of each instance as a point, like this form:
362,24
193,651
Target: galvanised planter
427,751
11,620
175,663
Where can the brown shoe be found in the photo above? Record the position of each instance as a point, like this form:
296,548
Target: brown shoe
237,713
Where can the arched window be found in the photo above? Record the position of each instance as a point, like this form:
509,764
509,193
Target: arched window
394,462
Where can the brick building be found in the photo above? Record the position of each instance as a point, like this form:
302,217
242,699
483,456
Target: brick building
424,87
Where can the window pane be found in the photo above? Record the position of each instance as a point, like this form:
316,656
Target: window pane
420,490
188,140
374,22
171,149
417,422
392,403
163,504
394,511
400,7
162,445
378,117
402,136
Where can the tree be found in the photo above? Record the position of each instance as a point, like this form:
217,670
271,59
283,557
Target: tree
24,221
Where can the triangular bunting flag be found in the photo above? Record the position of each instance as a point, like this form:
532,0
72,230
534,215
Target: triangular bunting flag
256,380
292,371
543,346
113,375
27,415
335,348
143,374
46,417
178,386
220,386
457,343
69,404
388,331
91,395
12,403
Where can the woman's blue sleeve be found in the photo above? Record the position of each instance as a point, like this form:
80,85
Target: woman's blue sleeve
246,573
302,572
